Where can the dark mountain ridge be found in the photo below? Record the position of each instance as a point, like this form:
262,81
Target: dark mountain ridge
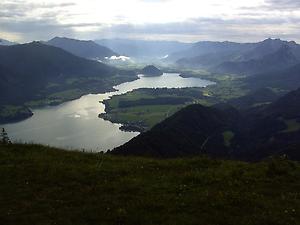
185,133
286,79
27,68
85,49
222,131
21,57
36,74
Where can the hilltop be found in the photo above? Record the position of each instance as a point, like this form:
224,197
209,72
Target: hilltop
151,71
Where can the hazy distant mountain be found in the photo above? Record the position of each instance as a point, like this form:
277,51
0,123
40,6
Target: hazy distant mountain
26,69
143,48
85,49
222,131
280,59
6,42
206,61
210,48
228,57
268,47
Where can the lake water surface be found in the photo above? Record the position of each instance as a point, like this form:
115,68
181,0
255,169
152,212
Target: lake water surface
75,124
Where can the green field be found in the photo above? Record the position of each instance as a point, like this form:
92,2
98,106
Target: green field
42,185
144,115
146,107
227,86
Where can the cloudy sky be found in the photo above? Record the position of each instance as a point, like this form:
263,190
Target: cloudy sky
182,20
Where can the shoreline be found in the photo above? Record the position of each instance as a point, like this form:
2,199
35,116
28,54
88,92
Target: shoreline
30,106
125,126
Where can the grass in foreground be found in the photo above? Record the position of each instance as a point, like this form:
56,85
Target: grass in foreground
41,185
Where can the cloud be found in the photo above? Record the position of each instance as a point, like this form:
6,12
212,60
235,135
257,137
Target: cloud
21,10
155,1
40,29
276,5
243,30
283,4
189,20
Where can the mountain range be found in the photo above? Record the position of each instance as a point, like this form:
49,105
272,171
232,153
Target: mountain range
144,49
33,71
6,42
240,58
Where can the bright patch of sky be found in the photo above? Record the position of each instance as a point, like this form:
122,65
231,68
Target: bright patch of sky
188,20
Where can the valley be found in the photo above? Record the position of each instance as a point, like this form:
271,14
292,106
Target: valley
140,114
75,124
107,101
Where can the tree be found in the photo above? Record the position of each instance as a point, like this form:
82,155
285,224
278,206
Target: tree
4,139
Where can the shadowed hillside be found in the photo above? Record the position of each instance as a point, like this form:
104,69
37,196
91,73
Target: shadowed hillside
222,131
86,49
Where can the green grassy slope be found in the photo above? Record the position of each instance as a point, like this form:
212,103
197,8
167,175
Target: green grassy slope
41,185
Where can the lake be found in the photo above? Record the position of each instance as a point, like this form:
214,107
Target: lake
75,124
